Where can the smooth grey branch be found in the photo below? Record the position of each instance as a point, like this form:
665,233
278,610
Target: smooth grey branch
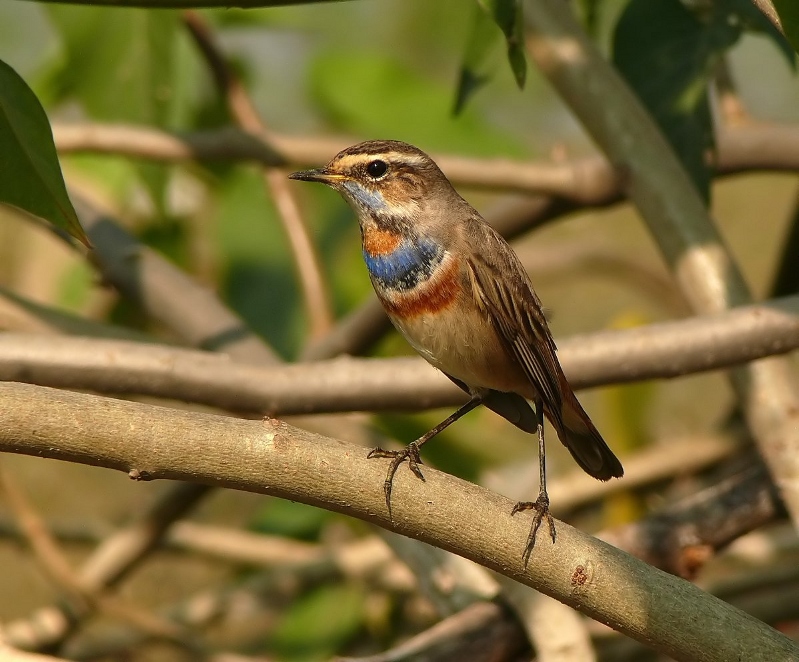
273,458
667,349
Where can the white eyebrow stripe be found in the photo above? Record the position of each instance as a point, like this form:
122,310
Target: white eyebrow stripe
352,160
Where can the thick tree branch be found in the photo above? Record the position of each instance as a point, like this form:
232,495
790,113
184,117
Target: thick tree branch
272,458
350,384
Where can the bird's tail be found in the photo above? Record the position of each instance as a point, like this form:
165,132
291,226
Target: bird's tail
578,434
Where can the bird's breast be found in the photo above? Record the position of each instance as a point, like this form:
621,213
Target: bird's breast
426,294
398,263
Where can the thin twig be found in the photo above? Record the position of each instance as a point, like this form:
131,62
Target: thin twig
83,597
482,632
317,300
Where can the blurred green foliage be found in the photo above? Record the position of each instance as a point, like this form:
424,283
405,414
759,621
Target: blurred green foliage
789,17
380,69
669,52
319,624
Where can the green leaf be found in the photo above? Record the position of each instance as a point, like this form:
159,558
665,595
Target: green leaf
120,64
472,76
668,54
788,11
30,175
508,15
753,20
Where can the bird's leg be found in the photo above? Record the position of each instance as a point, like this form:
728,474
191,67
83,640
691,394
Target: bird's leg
541,504
411,451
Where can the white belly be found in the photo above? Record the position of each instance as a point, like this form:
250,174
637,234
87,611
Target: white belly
465,346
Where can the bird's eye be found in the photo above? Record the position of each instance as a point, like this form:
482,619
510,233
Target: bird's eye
377,169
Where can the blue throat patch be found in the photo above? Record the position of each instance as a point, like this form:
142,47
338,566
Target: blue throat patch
372,200
411,263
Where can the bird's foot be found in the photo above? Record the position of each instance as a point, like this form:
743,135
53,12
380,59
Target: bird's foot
409,453
541,508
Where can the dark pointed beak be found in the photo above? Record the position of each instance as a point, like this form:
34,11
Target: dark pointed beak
317,175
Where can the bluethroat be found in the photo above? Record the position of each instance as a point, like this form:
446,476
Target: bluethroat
459,294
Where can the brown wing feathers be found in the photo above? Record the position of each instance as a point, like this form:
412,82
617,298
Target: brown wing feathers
517,315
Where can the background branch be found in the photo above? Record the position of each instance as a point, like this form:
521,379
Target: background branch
352,384
166,293
587,181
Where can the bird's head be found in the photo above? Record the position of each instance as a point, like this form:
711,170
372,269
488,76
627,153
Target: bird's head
384,181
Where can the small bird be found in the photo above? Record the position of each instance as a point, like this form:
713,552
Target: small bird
455,289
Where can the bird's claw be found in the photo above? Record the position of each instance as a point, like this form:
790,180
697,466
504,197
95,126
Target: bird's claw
541,508
409,453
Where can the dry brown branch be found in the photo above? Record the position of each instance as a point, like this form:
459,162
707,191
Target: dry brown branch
269,457
241,107
482,632
682,538
110,562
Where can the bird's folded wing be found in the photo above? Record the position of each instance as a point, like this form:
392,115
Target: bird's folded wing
501,288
